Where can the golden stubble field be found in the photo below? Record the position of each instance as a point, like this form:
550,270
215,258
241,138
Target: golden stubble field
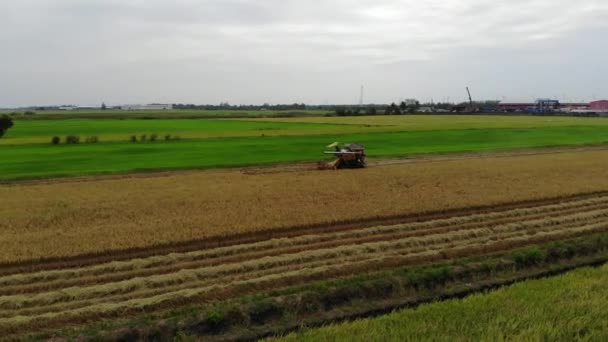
71,218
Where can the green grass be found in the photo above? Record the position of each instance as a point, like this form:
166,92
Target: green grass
443,122
34,161
157,114
569,307
41,131
26,151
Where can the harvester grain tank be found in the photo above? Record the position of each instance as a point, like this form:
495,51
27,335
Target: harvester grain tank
350,156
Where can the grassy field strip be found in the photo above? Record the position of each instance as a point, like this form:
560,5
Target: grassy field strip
469,237
31,161
41,131
438,122
163,114
306,240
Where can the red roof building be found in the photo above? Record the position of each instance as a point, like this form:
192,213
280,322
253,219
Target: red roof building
599,105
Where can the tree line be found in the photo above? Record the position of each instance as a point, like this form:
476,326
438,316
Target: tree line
228,106
392,109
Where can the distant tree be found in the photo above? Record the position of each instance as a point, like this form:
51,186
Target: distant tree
371,111
72,139
413,107
5,123
403,106
103,106
395,109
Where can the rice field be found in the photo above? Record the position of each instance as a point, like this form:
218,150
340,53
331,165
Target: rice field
446,122
47,299
563,308
41,131
77,251
106,216
136,145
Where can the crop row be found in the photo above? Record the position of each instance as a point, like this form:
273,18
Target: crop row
398,245
155,214
260,283
222,255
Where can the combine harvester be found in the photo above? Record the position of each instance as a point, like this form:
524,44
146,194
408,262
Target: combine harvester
351,156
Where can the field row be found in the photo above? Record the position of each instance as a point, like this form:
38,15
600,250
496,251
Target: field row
41,131
51,298
30,161
110,216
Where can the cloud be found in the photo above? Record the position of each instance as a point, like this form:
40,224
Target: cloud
129,38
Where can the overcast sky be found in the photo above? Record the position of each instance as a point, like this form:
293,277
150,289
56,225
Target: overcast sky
313,51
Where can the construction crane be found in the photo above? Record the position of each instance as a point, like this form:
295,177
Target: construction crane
472,107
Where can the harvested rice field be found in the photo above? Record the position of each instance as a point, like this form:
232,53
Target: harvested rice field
38,299
159,212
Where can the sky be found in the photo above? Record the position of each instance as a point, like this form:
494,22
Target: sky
55,52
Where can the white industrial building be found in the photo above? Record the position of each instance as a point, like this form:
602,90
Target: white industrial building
153,106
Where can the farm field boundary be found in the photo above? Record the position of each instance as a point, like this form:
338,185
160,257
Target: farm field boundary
48,299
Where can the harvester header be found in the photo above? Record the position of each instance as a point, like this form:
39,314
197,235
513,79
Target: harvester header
349,156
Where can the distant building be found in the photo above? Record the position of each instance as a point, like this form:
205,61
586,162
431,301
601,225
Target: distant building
600,106
67,108
153,106
516,106
541,106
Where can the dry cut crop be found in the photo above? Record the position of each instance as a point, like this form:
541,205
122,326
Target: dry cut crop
67,218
